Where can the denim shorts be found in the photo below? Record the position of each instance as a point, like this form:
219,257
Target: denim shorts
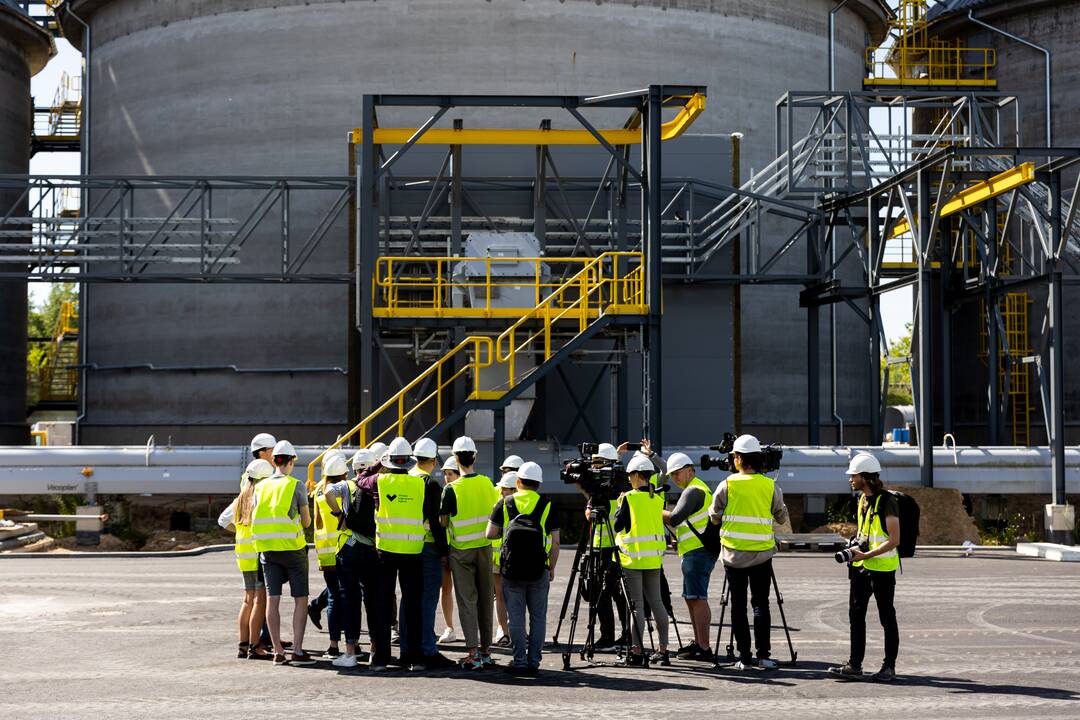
285,566
697,567
253,579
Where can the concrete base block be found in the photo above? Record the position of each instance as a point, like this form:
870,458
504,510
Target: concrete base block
1050,551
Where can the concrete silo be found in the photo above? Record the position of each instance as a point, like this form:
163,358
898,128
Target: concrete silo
24,49
272,86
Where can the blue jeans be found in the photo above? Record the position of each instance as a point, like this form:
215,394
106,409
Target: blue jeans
357,582
432,572
532,596
334,605
697,567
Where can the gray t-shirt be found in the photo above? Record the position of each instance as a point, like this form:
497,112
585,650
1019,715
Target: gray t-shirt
746,558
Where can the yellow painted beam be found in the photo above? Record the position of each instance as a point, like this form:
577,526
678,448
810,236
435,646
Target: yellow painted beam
695,105
980,192
928,82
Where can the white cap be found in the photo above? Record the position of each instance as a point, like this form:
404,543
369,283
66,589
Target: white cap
606,451
377,451
508,480
334,466
746,444
464,444
451,464
362,459
399,448
425,448
259,469
262,441
512,461
284,447
678,461
863,462
639,463
531,471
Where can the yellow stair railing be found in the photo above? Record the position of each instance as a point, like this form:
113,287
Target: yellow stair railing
56,381
612,283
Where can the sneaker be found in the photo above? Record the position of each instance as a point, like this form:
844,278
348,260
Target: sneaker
767,664
604,645
438,661
847,671
448,636
487,660
395,639
635,659
378,667
471,662
417,667
743,665
345,661
686,652
363,656
517,670
331,653
885,674
661,657
301,658
280,659
315,614
502,641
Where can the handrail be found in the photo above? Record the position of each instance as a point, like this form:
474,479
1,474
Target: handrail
695,105
480,344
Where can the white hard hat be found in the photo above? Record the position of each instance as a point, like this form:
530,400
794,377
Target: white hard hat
639,463
451,464
262,441
336,452
284,447
259,469
377,450
746,444
508,480
606,451
334,466
863,462
464,444
678,461
399,448
362,459
512,461
425,448
531,471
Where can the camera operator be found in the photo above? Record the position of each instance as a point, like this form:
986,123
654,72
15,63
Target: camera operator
745,506
606,456
697,561
872,567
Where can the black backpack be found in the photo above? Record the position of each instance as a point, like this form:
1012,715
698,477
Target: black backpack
523,556
909,523
359,515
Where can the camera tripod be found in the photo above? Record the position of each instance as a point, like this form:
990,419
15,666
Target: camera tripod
725,595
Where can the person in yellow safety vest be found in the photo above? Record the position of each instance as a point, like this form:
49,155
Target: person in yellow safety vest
523,596
507,486
604,541
433,558
322,602
450,473
872,570
403,503
357,563
464,510
334,470
697,561
280,516
639,522
237,518
745,506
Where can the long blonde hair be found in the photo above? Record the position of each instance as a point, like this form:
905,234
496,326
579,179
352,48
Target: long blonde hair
244,504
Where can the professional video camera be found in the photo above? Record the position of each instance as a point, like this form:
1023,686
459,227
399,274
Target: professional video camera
600,483
772,454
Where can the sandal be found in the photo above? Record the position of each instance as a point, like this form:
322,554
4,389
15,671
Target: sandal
258,652
242,650
503,642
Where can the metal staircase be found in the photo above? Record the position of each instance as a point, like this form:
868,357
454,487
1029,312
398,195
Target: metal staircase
58,379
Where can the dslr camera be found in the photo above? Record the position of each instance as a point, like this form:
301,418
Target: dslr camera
844,556
772,455
601,484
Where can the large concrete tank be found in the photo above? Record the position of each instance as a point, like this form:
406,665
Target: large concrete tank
271,86
1021,71
24,49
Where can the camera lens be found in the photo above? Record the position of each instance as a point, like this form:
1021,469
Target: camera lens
842,556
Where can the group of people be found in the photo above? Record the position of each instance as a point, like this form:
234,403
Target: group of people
391,524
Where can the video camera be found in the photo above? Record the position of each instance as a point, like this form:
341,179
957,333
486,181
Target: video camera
772,455
601,484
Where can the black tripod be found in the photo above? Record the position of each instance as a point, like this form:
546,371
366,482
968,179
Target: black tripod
725,598
589,576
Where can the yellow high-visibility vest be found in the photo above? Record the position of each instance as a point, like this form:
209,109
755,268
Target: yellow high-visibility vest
399,521
748,520
700,519
475,496
872,529
272,528
642,546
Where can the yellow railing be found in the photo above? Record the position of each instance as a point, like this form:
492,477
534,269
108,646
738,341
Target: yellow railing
930,66
611,283
423,287
55,382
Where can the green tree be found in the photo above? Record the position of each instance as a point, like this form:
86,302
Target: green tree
899,372
41,324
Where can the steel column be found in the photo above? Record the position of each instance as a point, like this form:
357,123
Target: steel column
813,344
924,322
654,263
366,247
498,445
1055,321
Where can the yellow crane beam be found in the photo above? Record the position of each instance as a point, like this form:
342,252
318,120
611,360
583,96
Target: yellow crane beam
695,105
978,193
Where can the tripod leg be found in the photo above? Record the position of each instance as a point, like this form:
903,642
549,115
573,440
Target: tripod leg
723,611
570,586
783,618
